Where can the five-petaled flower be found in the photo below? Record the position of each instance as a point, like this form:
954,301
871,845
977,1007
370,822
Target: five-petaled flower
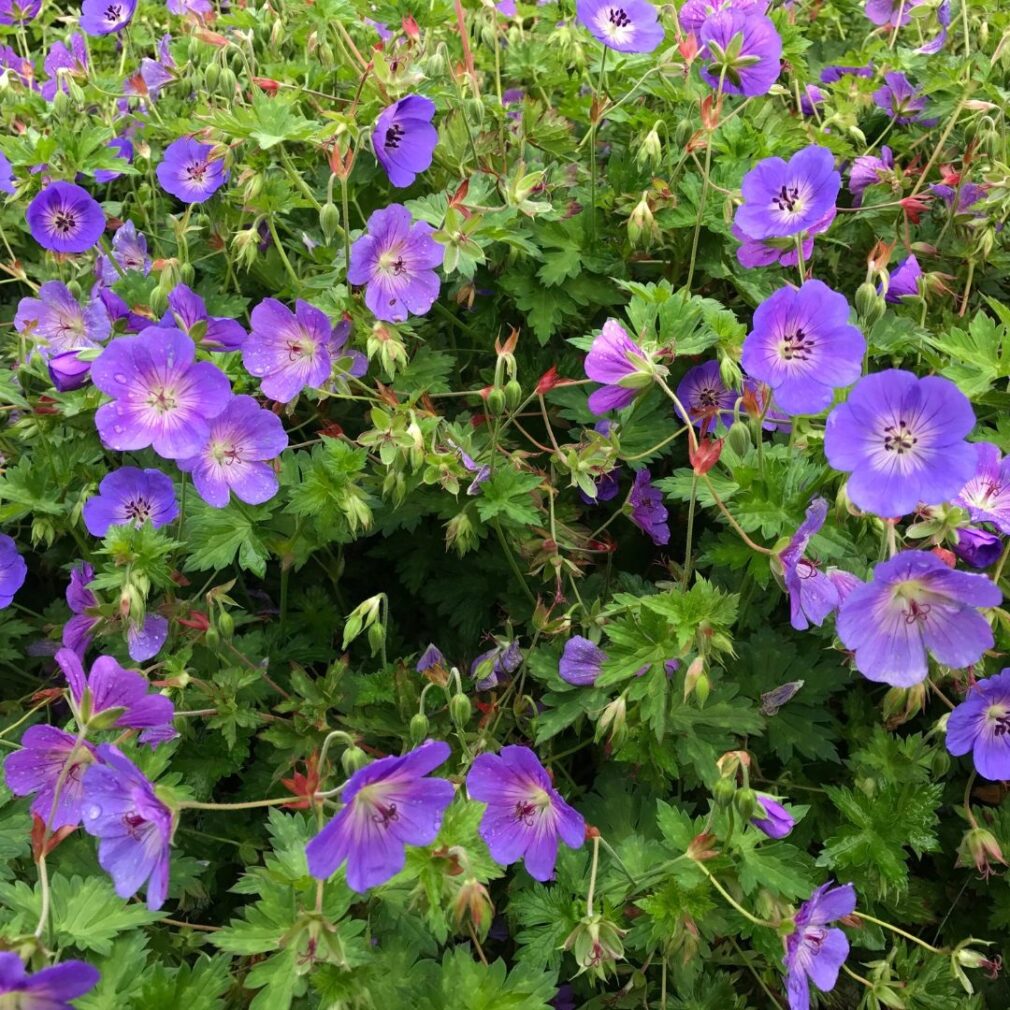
404,139
65,218
916,604
52,988
902,439
741,53
161,396
188,171
981,724
13,570
388,805
396,259
813,950
621,365
804,347
627,26
105,17
525,816
130,496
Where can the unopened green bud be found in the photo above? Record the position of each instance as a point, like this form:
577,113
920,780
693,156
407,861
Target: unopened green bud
74,288
227,83
212,637
418,729
730,372
226,625
651,150
496,402
460,710
513,394
738,438
683,133
329,220
212,77
353,759
376,637
745,802
187,274
723,792
940,763
870,305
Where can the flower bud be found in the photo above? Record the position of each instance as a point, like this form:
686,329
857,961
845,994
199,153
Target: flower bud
613,719
870,305
596,945
226,625
329,220
738,438
642,228
460,710
212,76
730,372
68,372
376,637
513,394
723,792
745,802
418,728
473,902
353,759
496,402
651,150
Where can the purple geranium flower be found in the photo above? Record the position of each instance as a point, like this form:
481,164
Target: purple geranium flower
581,662
813,595
19,12
810,97
404,139
986,494
291,350
915,604
496,665
7,182
648,512
893,13
803,347
900,100
978,548
133,825
49,989
35,770
160,396
188,172
56,322
694,13
242,438
68,371
868,170
13,570
935,44
201,8
608,487
783,198
105,17
627,26
65,218
902,440
396,261
120,695
123,147
705,397
188,311
965,196
129,249
388,805
481,471
432,656
525,815
812,951
741,50
73,62
773,818
903,281
981,724
833,74
618,362
130,497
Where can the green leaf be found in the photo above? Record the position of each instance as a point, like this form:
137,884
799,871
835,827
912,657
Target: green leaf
219,537
506,496
200,986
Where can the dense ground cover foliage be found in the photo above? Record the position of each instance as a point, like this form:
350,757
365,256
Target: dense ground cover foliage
504,506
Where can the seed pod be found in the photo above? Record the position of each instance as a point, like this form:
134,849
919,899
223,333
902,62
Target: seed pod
353,759
212,76
870,305
187,273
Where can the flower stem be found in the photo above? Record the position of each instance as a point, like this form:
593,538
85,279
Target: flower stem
750,917
248,805
900,932
592,875
283,255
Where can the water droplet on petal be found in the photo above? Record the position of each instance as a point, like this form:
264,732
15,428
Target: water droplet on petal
119,377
